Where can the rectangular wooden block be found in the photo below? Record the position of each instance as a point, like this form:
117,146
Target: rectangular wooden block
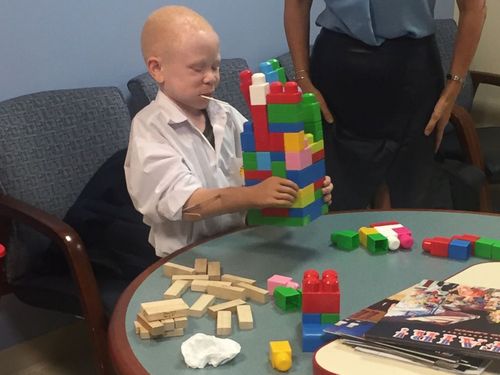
189,277
202,285
170,269
213,270
226,292
230,305
224,323
168,324
200,266
255,293
245,318
154,328
176,290
199,308
181,322
174,333
237,279
141,331
165,309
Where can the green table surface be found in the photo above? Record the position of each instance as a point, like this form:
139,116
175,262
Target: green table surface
259,253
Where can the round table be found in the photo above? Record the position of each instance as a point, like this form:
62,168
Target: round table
260,252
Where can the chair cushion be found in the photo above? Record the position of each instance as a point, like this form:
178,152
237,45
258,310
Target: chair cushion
489,137
143,88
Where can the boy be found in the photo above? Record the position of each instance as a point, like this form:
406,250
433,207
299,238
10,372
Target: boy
184,157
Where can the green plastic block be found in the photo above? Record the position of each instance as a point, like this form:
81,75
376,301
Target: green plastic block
495,251
329,318
281,75
324,209
318,194
287,299
254,217
284,113
275,64
377,244
345,239
483,247
278,168
311,111
250,161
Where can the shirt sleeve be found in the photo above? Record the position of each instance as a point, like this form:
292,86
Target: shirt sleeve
158,181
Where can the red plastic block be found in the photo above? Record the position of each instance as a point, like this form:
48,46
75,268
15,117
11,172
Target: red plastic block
245,82
318,184
318,156
289,94
257,175
276,142
382,223
472,238
437,246
320,295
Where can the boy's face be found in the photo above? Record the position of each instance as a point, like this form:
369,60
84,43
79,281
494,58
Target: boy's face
191,69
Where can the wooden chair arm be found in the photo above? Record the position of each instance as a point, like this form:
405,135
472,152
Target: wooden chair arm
484,77
74,250
469,140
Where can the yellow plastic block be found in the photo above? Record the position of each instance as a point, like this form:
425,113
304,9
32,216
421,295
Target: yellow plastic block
363,235
294,142
305,197
280,355
309,139
317,146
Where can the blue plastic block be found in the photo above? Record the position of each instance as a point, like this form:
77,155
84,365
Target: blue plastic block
263,161
308,175
286,127
247,142
459,249
252,182
277,156
313,337
311,318
271,74
248,127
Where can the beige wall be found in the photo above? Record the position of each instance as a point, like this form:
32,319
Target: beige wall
487,101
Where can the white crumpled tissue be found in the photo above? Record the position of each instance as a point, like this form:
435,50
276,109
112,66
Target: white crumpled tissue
200,350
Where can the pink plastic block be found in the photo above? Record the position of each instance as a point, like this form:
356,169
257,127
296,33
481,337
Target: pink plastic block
277,280
296,161
293,284
405,237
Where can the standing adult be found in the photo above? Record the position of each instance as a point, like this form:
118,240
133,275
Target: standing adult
376,70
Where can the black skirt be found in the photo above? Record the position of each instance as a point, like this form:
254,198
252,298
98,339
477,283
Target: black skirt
381,98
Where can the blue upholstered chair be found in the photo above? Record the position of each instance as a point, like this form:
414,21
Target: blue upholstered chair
51,144
143,88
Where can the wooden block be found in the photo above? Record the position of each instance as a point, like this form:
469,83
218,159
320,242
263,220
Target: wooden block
176,290
245,318
213,270
199,308
181,322
230,305
142,331
224,323
170,269
202,285
189,277
226,292
168,324
200,266
237,279
255,293
154,328
165,309
174,333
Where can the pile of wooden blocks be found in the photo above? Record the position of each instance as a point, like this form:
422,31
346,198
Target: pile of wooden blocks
169,317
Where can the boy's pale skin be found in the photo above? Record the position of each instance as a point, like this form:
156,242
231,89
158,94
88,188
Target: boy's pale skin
181,51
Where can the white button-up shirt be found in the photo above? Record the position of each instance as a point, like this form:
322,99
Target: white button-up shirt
168,159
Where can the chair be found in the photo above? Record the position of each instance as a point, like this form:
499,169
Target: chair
476,145
51,144
143,88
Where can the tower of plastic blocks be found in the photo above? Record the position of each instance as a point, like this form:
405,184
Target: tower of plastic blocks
285,139
320,307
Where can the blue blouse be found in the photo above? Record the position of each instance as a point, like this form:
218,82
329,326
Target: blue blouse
373,21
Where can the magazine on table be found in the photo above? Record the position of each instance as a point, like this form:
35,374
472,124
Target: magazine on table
353,331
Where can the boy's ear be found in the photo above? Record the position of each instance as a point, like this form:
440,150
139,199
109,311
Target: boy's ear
155,69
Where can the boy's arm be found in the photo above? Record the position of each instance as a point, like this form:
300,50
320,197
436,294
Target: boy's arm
272,192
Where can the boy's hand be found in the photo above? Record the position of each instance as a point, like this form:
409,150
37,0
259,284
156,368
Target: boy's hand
327,190
274,192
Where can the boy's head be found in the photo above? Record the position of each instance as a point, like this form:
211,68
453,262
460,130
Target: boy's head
181,51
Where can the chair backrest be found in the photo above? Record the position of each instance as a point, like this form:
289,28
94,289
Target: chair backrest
51,143
143,88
